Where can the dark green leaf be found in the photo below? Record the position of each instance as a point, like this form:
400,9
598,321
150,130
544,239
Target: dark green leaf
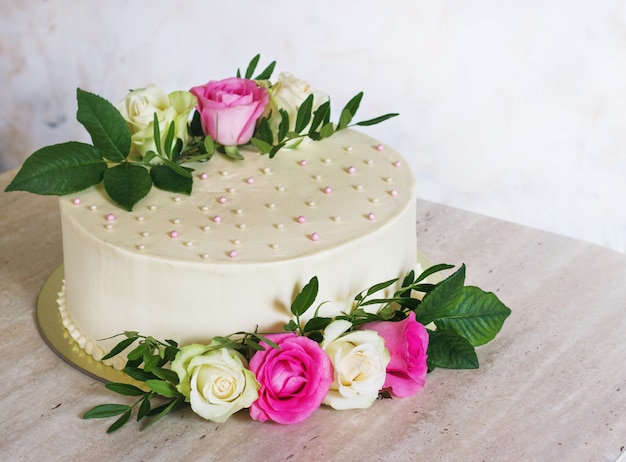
139,374
195,126
166,374
60,169
127,184
264,132
316,323
443,299
380,286
451,351
305,298
303,117
121,346
120,422
150,362
161,411
320,115
108,129
105,410
267,72
125,389
169,140
252,66
432,270
283,126
163,388
144,408
478,316
164,177
291,326
376,120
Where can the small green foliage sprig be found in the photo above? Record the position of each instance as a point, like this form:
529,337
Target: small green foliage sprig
68,168
458,318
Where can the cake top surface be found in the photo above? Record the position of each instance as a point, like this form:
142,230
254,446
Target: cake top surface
259,209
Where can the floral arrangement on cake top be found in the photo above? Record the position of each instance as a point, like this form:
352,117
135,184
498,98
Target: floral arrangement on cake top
345,362
148,138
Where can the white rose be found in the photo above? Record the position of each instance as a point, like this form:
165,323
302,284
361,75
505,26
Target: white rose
216,382
360,361
289,93
139,107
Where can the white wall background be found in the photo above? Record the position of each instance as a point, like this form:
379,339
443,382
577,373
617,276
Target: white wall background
515,109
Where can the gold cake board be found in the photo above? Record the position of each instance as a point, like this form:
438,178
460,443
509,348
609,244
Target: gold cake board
56,336
58,339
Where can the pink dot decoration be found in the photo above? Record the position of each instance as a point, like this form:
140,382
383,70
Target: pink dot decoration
393,192
302,163
110,217
232,254
222,200
351,170
203,176
371,216
328,190
76,201
397,163
217,219
173,234
301,219
315,237
380,147
250,180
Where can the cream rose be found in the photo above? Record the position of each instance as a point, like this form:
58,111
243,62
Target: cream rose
288,93
360,360
216,382
139,107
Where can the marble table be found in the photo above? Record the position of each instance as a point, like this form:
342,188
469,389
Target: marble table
552,386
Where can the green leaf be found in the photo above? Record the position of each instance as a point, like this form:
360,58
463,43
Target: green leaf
108,129
106,410
138,352
349,111
124,418
432,270
144,408
166,374
127,184
169,140
327,130
233,152
443,299
195,126
164,177
451,351
150,362
320,116
303,117
261,145
376,120
163,388
252,66
125,389
209,144
380,286
283,126
121,346
477,317
60,169
164,410
316,323
291,326
267,72
139,374
305,298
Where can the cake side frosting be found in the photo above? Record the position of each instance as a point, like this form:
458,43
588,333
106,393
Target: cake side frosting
231,256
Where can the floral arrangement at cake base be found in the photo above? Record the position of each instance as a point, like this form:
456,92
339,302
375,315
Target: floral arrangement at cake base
345,362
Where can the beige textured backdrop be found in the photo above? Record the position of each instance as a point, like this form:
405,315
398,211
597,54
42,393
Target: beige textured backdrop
510,109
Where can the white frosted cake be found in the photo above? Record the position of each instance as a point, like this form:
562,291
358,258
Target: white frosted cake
231,256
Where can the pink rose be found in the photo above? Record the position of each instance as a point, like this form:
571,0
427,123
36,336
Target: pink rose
229,109
294,379
407,342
